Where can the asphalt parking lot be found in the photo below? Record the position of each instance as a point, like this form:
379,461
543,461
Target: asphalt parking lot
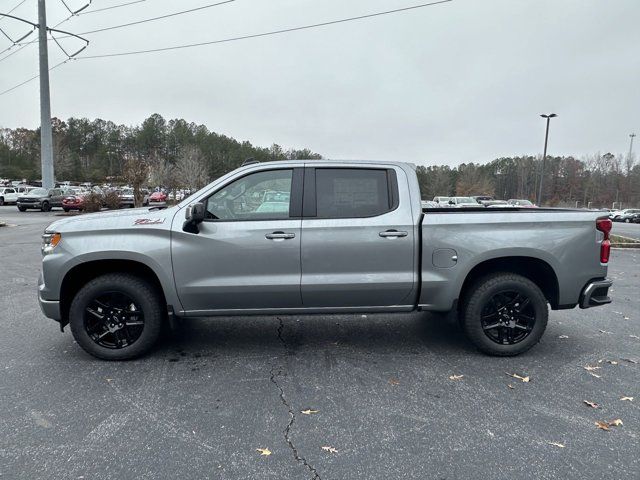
218,389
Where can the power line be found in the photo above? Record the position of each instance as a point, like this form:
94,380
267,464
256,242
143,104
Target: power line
153,19
244,37
31,79
14,8
264,34
96,10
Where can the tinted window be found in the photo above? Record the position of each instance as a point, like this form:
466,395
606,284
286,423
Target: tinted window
258,196
351,192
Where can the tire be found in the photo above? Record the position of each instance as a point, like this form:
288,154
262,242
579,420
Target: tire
66,209
626,220
86,327
21,208
493,300
1,201
46,207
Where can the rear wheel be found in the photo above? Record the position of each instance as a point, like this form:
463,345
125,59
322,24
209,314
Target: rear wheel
46,207
116,317
504,314
1,201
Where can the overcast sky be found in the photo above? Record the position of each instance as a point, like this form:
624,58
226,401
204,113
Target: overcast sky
458,82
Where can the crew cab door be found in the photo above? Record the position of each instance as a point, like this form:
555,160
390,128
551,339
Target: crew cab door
247,252
358,245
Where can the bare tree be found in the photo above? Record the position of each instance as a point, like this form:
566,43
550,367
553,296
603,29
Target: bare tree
136,173
191,168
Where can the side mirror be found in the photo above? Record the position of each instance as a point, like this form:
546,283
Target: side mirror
451,202
194,215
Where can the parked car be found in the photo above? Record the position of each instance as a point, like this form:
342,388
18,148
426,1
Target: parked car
8,195
42,199
483,198
635,218
73,202
496,204
443,201
626,215
352,237
521,203
463,202
429,204
126,198
24,189
157,198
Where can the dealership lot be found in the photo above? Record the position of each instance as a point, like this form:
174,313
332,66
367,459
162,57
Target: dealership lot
218,389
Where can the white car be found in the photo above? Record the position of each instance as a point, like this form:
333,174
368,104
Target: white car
464,202
8,195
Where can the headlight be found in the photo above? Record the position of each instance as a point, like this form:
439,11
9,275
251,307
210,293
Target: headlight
49,242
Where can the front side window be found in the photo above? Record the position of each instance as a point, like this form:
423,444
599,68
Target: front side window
259,196
351,192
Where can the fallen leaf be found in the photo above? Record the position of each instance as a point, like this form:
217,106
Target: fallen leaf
612,362
590,368
591,404
630,360
556,444
563,336
394,381
627,399
264,451
615,423
109,379
455,377
626,318
329,449
515,375
602,425
604,331
634,336
511,386
594,375
308,411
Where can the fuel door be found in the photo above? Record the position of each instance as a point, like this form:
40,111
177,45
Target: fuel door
444,257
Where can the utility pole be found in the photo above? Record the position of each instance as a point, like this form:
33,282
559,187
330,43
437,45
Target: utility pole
46,136
544,156
631,135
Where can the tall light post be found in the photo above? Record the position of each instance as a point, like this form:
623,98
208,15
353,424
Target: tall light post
544,155
631,136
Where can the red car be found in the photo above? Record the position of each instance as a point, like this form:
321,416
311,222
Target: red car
157,197
73,202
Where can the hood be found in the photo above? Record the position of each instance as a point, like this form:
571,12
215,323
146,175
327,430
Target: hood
116,220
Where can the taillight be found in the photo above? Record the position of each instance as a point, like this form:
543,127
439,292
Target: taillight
604,225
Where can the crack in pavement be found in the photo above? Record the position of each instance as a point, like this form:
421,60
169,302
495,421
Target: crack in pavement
292,415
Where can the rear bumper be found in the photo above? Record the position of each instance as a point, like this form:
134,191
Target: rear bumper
595,293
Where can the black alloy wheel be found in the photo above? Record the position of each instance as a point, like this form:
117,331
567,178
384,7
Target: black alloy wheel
113,320
508,317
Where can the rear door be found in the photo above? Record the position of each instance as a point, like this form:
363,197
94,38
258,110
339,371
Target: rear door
357,238
247,252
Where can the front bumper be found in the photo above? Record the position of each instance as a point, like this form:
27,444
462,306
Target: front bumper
595,293
50,308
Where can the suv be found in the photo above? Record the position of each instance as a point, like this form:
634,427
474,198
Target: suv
42,199
8,195
626,215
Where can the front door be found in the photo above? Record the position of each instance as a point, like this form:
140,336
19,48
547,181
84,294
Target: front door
358,238
247,252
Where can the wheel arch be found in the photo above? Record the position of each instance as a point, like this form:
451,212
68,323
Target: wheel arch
84,272
535,269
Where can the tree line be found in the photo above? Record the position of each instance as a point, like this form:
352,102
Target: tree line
177,153
594,181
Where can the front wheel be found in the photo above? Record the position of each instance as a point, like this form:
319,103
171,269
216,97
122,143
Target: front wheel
46,207
626,220
116,316
504,314
21,208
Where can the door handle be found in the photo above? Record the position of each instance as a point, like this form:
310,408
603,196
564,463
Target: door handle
279,236
393,234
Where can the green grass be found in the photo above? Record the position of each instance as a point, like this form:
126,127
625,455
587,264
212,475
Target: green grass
619,241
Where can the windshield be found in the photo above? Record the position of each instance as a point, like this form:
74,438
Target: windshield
524,202
39,191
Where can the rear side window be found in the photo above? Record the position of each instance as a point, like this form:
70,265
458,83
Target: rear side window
352,192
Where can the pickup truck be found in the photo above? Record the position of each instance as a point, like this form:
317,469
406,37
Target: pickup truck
338,237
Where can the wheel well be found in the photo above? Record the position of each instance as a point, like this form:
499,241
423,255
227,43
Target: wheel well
536,270
79,275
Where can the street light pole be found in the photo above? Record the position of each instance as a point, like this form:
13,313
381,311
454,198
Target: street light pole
46,137
631,135
544,156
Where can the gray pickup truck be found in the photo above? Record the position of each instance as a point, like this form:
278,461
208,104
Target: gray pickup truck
298,237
